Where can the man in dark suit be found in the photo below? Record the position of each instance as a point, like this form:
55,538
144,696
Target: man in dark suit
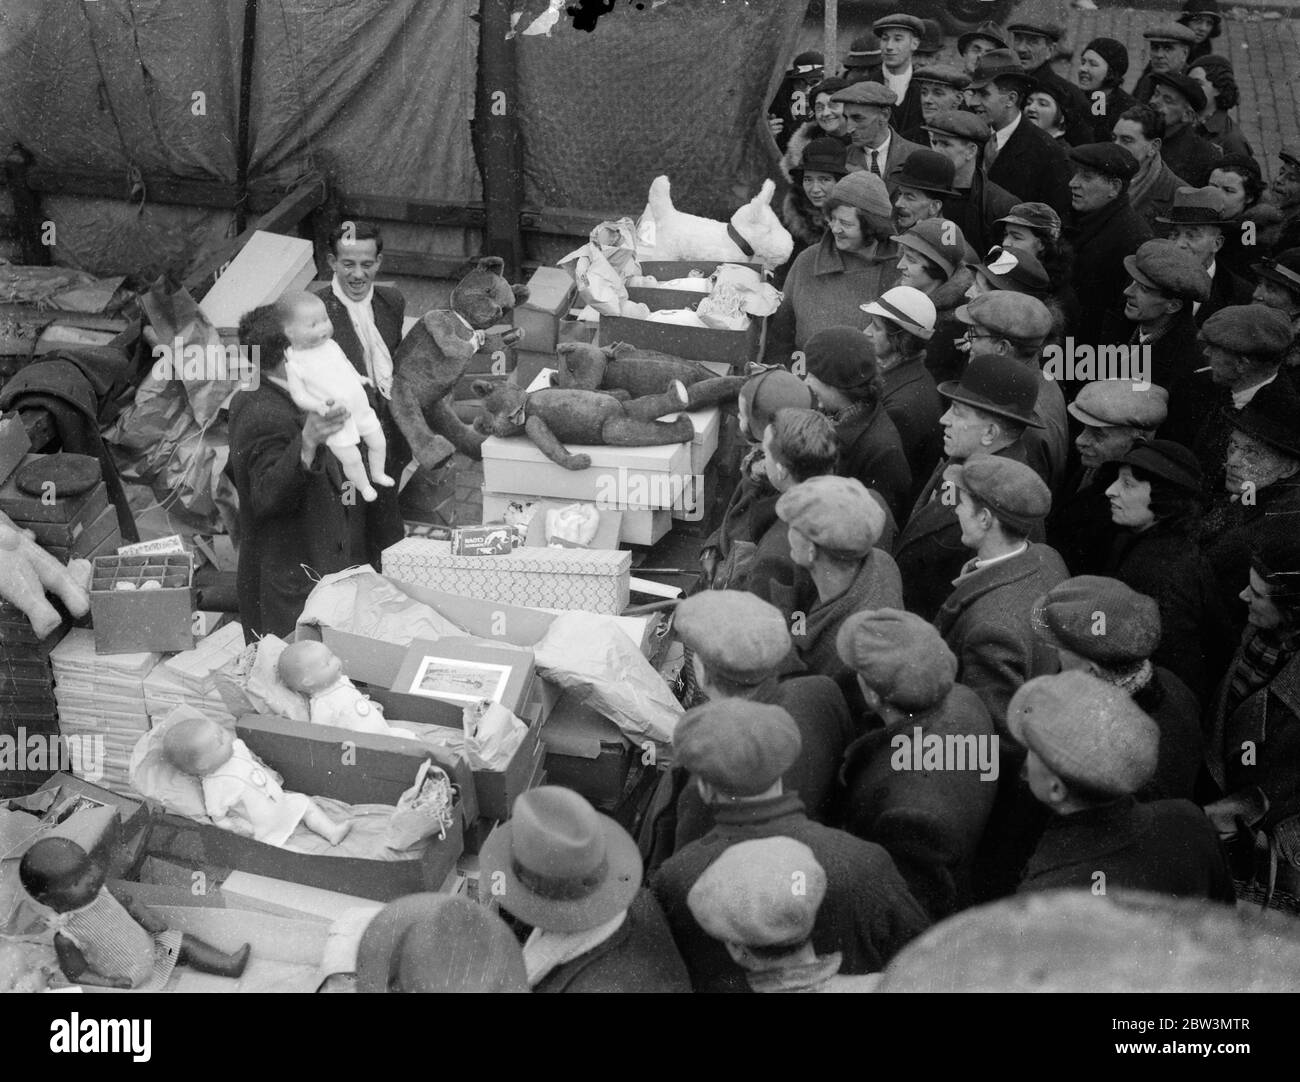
876,147
1182,101
978,203
942,89
1196,225
900,35
1019,156
1035,43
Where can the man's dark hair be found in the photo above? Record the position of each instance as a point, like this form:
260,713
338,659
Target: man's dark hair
1151,121
803,441
263,328
1010,84
357,231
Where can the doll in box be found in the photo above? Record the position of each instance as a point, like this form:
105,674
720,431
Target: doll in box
239,793
321,378
105,939
312,669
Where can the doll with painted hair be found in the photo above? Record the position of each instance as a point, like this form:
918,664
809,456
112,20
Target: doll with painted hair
321,378
240,794
312,669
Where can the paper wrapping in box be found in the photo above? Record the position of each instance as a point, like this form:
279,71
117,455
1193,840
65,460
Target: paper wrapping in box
594,580
639,527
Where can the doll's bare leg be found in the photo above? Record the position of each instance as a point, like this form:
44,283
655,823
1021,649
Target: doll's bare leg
376,452
319,823
355,470
208,959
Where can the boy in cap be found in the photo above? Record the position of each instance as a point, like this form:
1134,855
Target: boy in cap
900,36
875,145
988,412
834,524
942,88
976,203
1195,224
930,820
985,620
737,752
1181,100
1035,42
1104,229
760,899
1108,630
1089,748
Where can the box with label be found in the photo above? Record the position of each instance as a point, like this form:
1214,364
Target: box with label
594,580
63,534
142,604
89,538
438,678
636,527
550,293
489,539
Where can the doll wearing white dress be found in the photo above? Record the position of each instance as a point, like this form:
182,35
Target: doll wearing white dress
312,669
321,378
239,793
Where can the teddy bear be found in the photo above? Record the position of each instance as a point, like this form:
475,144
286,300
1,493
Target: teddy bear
436,353
626,371
27,571
754,234
553,417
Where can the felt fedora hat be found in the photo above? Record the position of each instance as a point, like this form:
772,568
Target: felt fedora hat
1000,64
1195,206
998,385
561,865
989,31
1272,416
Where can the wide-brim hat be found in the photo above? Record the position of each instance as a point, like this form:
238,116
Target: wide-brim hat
1001,64
912,173
990,31
1189,88
1278,273
1272,418
993,384
560,865
1196,206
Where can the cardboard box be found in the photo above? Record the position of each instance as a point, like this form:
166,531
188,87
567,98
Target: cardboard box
509,679
268,265
14,444
550,292
497,790
63,534
498,506
355,767
123,846
734,348
586,752
573,329
89,537
594,580
131,621
667,269
26,509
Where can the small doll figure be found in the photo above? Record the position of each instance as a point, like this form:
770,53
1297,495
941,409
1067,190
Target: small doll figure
312,669
240,794
106,939
321,378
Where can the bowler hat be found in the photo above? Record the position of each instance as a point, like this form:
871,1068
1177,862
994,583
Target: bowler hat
1272,416
1175,32
826,155
1188,87
960,124
736,634
1018,272
944,74
1099,618
926,171
1195,206
1283,269
900,21
1000,64
1043,28
900,656
561,866
1109,159
1161,264
1036,216
740,747
748,894
989,31
864,51
998,385
1111,403
938,239
907,308
1170,461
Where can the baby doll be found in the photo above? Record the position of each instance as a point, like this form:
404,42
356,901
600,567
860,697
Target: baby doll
321,377
107,939
240,794
312,669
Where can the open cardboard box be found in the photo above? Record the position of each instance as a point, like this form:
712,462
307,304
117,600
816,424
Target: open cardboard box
359,768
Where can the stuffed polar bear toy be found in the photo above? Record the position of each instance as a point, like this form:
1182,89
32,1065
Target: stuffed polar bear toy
754,234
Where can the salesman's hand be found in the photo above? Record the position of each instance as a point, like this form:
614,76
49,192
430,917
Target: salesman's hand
318,428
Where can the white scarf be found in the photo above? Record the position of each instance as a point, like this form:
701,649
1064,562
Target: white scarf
379,362
545,951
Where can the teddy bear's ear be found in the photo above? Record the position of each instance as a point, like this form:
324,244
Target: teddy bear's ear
491,264
520,292
483,387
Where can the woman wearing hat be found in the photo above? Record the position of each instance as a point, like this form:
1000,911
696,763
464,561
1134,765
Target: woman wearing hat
574,876
1219,85
827,123
789,105
1155,506
855,261
1204,18
932,258
1034,229
812,181
1102,66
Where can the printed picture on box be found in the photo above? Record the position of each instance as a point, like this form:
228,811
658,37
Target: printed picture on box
460,681
78,803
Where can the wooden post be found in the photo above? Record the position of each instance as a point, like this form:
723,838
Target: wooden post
497,126
27,208
830,37
245,108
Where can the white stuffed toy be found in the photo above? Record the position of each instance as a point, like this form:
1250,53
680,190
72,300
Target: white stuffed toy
754,234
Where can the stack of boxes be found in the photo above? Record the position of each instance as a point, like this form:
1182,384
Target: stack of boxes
189,678
71,528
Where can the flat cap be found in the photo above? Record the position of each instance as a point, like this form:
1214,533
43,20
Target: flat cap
1036,216
841,357
987,31
1185,85
864,190
764,892
1009,315
835,513
1098,618
944,74
1042,28
1086,731
1176,32
1253,329
900,656
1161,264
899,21
960,124
1110,403
768,392
738,746
866,93
1109,159
1011,490
736,634
1283,269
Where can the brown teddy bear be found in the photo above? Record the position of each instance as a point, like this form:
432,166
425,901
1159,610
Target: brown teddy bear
626,371
430,360
553,417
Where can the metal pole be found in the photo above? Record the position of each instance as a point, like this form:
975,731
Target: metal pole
830,42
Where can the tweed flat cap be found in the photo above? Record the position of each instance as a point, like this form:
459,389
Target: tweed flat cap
864,190
1098,618
1109,159
1188,87
1007,314
834,513
1085,730
943,74
1253,329
1176,32
959,124
1161,264
1107,403
1042,28
1036,216
1010,489
736,634
764,892
741,747
866,93
900,656
899,21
